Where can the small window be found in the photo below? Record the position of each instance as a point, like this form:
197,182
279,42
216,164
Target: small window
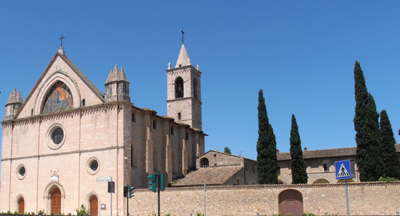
132,156
133,117
83,102
187,136
252,167
172,131
57,136
237,182
180,65
278,170
326,167
94,165
154,124
179,116
21,171
31,112
245,165
204,162
215,155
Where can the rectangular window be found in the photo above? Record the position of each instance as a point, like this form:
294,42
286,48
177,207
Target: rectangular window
245,165
278,170
133,117
326,167
132,157
238,182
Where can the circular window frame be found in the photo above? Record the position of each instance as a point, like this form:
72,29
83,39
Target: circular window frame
89,169
19,167
50,132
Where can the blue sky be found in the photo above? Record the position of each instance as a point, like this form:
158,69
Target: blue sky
301,53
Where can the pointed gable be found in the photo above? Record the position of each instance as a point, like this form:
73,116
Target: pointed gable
60,68
183,58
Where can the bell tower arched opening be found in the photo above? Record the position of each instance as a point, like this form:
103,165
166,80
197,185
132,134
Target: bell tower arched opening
179,89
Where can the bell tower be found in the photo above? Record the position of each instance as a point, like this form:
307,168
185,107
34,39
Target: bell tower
184,91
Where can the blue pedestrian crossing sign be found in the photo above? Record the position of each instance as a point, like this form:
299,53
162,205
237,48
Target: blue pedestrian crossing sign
342,169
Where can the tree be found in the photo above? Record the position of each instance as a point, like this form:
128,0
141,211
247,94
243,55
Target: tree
299,169
227,150
266,146
369,161
373,163
388,149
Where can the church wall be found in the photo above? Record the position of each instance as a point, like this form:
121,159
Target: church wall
5,185
25,139
139,142
365,199
6,141
70,125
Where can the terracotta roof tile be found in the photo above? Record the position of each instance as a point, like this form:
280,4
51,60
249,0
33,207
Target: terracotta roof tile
209,175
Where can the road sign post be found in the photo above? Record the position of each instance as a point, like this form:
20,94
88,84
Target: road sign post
343,171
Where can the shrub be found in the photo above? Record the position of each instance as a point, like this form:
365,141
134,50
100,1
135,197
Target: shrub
82,211
41,212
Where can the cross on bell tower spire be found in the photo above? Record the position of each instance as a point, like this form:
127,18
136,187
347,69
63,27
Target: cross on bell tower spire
183,39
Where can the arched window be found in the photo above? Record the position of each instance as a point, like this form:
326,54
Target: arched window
83,102
58,98
179,87
195,88
179,116
132,156
204,162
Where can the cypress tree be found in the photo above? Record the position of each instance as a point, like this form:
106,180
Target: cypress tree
299,169
366,125
361,95
373,164
266,146
388,148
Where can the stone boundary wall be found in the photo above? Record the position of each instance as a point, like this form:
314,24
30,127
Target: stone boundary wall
373,198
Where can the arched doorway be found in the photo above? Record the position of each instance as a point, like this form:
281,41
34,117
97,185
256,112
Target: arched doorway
21,205
291,202
94,205
56,201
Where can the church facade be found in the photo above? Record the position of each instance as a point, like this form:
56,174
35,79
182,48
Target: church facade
67,134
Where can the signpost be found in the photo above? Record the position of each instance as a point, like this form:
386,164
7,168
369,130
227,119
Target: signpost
111,188
343,171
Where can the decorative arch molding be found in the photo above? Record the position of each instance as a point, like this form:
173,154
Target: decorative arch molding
47,195
49,82
321,181
87,201
16,203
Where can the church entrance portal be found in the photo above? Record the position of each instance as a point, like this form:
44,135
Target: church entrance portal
56,201
21,205
291,202
94,205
